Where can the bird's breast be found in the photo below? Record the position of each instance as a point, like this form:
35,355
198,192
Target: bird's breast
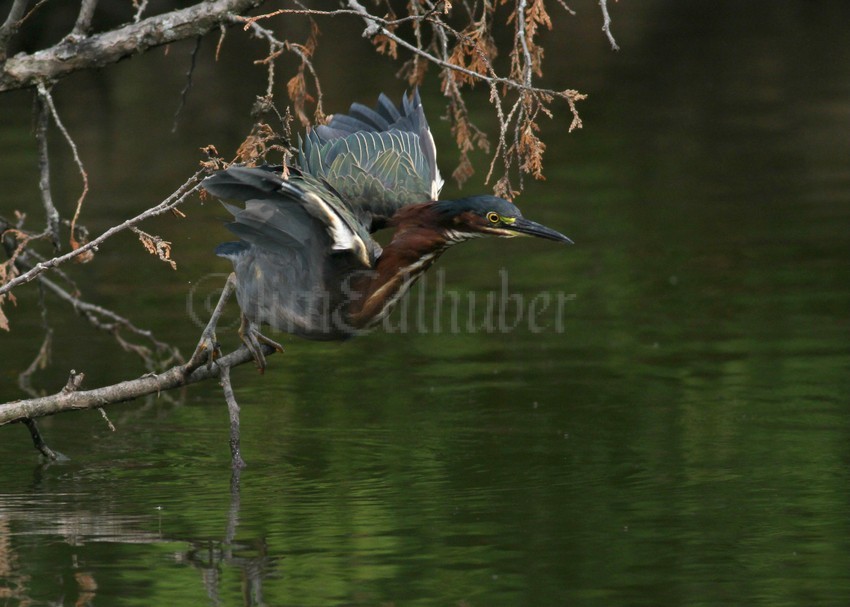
388,289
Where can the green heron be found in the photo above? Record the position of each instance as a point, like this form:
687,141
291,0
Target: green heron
306,262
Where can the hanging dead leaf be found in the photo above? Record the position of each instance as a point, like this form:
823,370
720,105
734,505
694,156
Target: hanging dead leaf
156,246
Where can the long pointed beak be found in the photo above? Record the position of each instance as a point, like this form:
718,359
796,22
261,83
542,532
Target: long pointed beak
532,228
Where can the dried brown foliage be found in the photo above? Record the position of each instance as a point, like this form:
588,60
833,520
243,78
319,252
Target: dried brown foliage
253,150
297,90
459,39
475,52
17,240
383,43
156,246
7,273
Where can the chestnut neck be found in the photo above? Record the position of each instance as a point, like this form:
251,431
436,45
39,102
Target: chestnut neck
418,241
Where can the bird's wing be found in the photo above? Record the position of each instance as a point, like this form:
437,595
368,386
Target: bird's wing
377,159
292,217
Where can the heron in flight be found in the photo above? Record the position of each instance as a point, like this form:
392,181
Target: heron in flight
306,263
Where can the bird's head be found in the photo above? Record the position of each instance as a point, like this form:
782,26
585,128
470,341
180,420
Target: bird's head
489,215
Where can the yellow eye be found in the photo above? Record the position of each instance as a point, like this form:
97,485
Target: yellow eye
493,217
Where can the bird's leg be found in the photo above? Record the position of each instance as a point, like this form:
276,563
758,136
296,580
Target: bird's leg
247,333
208,348
254,341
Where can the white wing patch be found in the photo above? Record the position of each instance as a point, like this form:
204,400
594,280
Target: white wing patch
344,238
437,182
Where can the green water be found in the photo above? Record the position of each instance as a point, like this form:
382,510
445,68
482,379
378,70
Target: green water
676,432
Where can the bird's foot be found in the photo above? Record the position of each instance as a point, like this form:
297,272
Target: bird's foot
254,341
207,351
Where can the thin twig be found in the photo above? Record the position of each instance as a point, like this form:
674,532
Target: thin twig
106,419
566,8
30,252
174,200
47,100
504,122
39,362
140,5
233,410
208,348
606,24
44,173
520,34
32,11
375,26
221,36
41,359
38,441
99,317
331,13
184,94
96,314
83,24
276,47
10,26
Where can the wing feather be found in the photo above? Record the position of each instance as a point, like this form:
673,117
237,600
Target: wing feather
379,160
286,214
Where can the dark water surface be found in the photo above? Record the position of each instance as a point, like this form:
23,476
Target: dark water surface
673,429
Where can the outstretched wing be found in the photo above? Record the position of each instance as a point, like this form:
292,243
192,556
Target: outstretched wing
377,159
297,240
297,214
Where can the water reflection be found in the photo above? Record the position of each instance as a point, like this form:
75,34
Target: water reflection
63,533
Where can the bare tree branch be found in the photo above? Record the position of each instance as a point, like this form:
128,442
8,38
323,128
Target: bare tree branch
176,198
520,34
83,24
233,410
38,441
566,8
175,377
10,26
99,317
41,359
50,211
140,6
184,94
47,102
96,315
276,47
606,24
105,417
374,26
73,54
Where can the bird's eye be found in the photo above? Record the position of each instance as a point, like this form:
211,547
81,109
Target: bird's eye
493,217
